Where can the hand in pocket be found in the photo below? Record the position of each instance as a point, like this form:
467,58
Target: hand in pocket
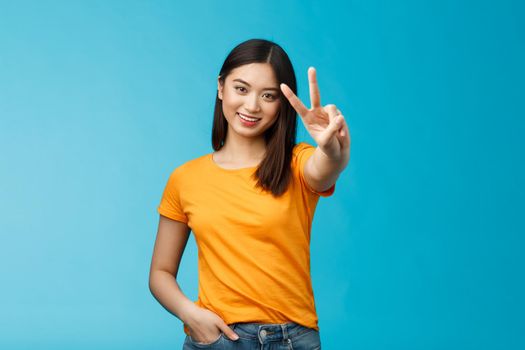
206,327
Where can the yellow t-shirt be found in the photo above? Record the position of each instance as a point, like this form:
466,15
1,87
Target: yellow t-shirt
253,249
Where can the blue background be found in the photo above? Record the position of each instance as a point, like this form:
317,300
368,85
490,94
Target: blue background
421,246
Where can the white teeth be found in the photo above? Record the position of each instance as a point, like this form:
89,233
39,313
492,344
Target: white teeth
246,118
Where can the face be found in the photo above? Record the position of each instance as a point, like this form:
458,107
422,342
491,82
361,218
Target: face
251,92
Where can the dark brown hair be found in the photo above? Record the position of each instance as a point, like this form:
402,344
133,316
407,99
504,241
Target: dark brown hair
274,172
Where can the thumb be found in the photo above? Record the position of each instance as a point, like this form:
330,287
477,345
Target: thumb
228,331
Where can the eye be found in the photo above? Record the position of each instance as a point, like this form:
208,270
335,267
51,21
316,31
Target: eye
239,87
270,96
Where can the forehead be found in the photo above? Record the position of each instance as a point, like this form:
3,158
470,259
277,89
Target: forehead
259,75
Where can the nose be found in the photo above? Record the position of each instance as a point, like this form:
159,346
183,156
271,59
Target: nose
252,103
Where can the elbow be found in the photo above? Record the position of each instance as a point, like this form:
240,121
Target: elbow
152,282
157,278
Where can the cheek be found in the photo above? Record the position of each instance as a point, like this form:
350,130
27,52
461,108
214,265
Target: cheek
272,110
231,99
230,104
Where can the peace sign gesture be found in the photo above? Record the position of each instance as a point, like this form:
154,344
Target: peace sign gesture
326,124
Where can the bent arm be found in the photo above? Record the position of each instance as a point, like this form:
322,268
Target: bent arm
322,172
172,237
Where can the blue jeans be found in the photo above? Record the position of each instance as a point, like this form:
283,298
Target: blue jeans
263,336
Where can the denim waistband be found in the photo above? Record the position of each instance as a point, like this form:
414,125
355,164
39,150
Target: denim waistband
268,331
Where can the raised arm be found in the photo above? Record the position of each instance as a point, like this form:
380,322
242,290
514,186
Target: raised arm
321,172
328,128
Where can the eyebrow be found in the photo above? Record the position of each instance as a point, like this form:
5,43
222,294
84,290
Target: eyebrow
269,88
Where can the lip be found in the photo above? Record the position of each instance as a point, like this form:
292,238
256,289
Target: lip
249,116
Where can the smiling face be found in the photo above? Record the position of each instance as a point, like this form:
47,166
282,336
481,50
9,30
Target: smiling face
250,99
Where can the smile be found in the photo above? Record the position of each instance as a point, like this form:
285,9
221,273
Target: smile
248,119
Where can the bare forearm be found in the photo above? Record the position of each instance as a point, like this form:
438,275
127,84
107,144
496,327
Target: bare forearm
324,171
326,167
166,290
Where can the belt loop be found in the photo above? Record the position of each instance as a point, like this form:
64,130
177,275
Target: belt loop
285,332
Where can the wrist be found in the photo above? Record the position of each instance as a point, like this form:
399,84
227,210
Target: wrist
187,312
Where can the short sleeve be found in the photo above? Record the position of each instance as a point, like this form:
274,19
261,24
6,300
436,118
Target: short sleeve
304,151
170,204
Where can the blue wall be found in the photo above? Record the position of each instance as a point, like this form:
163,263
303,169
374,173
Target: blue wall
421,246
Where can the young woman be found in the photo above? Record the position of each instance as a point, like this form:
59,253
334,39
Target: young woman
250,205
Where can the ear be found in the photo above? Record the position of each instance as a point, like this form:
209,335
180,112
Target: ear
219,88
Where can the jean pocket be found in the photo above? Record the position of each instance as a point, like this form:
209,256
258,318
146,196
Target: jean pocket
204,345
308,338
304,330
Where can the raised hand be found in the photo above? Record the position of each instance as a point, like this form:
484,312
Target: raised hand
326,125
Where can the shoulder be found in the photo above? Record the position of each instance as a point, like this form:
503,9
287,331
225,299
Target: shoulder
301,152
189,168
301,146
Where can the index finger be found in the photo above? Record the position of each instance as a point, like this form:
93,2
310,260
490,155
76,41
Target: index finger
294,100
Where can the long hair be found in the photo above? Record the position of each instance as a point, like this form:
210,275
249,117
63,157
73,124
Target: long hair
274,172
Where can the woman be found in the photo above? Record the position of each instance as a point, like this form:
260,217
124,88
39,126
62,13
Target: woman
250,205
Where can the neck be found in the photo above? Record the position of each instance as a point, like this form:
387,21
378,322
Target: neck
243,149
